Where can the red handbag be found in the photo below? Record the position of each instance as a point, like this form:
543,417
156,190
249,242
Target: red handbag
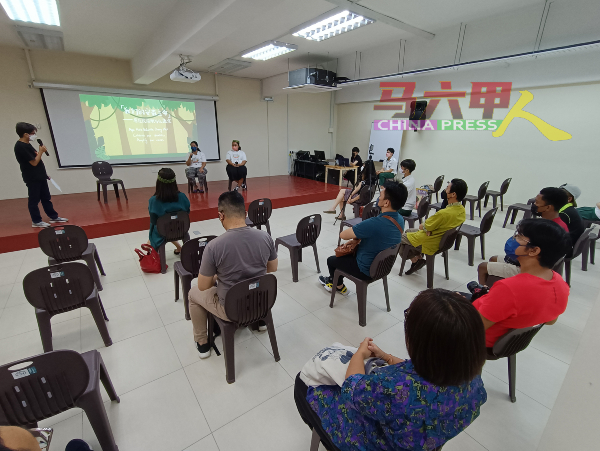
150,261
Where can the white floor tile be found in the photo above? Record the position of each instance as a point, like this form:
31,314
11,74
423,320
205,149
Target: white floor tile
124,292
5,291
463,442
309,293
169,310
558,341
206,444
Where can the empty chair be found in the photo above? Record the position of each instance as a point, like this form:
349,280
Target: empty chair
515,208
422,211
174,227
55,382
437,185
369,211
188,268
476,199
472,232
508,346
446,243
380,268
259,212
582,248
307,232
497,194
61,288
246,303
436,207
68,243
103,171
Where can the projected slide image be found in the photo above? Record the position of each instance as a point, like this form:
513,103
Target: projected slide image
129,127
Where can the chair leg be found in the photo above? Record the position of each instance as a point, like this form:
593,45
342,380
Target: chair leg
98,190
186,286
268,228
592,251
568,272
445,255
314,246
315,440
514,216
471,249
487,197
361,296
227,333
98,262
94,409
300,254
341,229
404,250
494,201
91,263
43,320
102,308
584,257
97,314
124,192
105,194
472,209
512,376
507,216
430,267
294,257
482,242
107,383
387,295
272,338
502,203
457,242
479,207
116,188
176,280
336,275
229,186
162,252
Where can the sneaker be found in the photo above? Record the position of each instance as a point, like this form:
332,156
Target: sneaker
343,291
262,326
244,186
40,224
416,266
204,350
326,282
236,188
59,219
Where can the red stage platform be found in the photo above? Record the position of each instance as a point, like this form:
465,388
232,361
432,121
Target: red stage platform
119,216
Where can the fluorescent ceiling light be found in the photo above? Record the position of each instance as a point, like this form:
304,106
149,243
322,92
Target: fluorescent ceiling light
333,26
36,11
269,50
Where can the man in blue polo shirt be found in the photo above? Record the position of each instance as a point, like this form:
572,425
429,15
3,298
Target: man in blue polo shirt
376,234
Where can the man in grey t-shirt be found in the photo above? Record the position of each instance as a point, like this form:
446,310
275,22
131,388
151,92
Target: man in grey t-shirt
239,254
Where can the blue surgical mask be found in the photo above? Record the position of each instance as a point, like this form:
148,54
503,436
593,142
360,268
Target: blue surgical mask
510,247
194,149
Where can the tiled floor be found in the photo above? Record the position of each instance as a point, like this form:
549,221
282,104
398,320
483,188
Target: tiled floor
172,400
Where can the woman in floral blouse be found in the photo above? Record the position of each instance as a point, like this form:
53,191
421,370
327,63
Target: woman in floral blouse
416,404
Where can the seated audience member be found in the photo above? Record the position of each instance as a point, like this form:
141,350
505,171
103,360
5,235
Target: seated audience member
416,404
355,160
426,239
349,195
196,167
236,165
547,204
408,167
536,295
13,438
390,167
239,254
166,199
569,214
590,213
376,234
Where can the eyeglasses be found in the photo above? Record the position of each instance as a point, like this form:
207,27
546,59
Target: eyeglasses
517,236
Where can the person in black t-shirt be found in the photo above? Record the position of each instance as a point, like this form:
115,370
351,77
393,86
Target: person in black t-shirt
354,161
569,214
34,175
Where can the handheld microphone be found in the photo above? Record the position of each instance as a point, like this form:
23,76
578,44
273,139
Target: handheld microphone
41,144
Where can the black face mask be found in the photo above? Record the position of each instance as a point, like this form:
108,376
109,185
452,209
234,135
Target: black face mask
534,210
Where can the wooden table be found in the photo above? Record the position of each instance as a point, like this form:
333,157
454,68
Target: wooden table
341,168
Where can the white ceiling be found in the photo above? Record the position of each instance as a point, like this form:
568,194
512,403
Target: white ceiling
151,33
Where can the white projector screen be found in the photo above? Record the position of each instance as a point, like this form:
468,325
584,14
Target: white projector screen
127,129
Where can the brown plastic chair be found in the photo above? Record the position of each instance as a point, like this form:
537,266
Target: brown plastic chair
307,232
437,185
436,207
447,241
515,208
380,268
558,267
476,199
594,235
103,171
188,268
497,194
68,243
39,387
472,232
582,248
259,212
246,303
173,227
508,346
370,211
422,211
366,195
61,288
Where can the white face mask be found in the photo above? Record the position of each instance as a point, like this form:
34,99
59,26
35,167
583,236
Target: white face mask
32,137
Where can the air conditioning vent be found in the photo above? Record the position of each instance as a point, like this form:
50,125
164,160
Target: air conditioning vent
229,66
40,38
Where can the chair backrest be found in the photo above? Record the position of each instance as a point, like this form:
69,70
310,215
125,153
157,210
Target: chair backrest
308,230
39,387
192,251
250,300
488,220
366,195
531,201
59,288
370,211
63,243
438,183
504,186
102,170
383,262
448,239
482,190
259,211
173,226
580,243
515,341
422,208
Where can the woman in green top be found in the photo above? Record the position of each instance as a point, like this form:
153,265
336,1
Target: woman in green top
166,199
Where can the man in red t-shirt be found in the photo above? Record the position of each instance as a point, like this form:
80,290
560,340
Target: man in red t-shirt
536,295
548,204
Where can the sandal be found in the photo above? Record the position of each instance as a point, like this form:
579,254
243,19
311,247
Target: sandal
176,252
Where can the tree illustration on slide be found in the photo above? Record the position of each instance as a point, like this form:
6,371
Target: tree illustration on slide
89,102
173,106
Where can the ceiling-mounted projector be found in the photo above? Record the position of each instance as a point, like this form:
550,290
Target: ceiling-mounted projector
182,73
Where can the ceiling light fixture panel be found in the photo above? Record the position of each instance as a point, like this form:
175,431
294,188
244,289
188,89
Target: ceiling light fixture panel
269,50
35,11
333,26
